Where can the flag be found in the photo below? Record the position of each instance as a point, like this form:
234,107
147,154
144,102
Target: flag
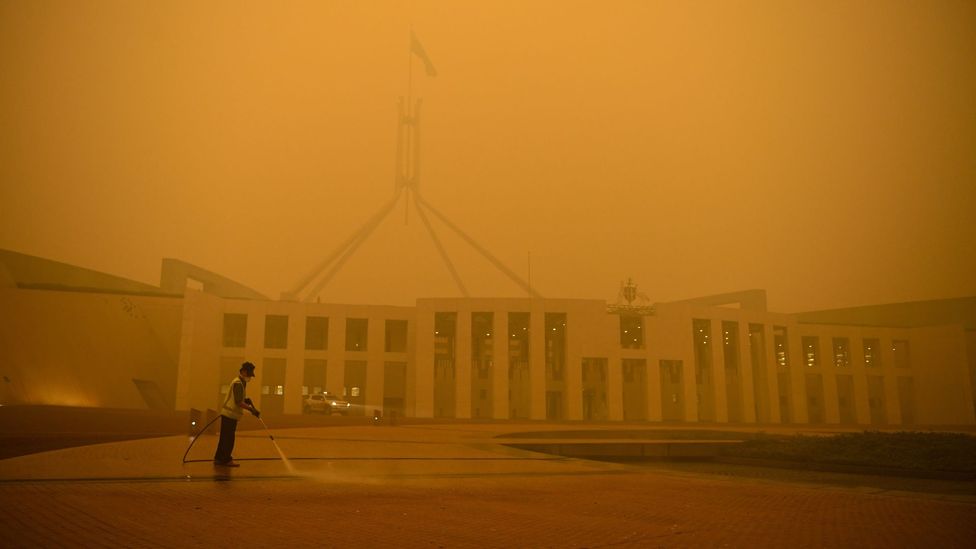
418,49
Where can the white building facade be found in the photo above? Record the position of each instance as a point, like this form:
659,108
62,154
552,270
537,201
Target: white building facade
75,337
560,359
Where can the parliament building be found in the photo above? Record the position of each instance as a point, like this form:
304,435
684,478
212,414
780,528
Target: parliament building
72,336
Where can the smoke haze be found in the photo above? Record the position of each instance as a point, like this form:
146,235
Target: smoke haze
820,150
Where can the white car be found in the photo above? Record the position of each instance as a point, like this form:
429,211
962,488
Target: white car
327,403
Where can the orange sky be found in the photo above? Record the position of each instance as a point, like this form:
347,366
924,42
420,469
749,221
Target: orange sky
821,150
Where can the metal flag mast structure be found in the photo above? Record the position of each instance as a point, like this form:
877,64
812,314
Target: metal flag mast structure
407,185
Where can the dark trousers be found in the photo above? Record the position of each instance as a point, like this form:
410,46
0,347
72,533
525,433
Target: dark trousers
228,430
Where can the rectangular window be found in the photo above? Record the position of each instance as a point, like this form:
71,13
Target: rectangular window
482,361
762,395
872,353
733,383
730,348
815,397
445,336
518,340
594,381
900,349
354,388
482,341
631,332
845,399
906,399
275,332
701,334
842,352
272,386
445,366
356,332
811,351
395,336
555,346
313,381
781,346
785,397
235,329
701,330
518,365
634,389
672,390
394,388
630,370
876,400
674,370
316,333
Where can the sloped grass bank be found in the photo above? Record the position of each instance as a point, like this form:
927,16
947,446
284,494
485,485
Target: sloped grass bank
907,451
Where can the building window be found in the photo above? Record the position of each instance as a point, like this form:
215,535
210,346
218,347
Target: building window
519,397
273,385
631,332
673,368
316,333
356,331
235,329
314,376
518,340
701,334
730,350
842,352
555,342
395,338
445,334
482,344
594,380
811,351
781,346
354,386
902,358
275,332
872,353
481,334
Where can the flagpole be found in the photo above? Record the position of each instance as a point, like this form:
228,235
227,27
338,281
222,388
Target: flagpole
409,115
410,73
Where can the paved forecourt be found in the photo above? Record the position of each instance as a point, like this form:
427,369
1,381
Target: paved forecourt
449,485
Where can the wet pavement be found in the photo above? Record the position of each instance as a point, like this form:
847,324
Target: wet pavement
451,485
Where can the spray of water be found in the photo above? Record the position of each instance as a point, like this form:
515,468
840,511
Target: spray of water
288,465
329,475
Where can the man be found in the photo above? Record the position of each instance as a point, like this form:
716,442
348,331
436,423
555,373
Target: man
233,410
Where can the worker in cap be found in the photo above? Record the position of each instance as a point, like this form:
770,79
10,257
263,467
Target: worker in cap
235,403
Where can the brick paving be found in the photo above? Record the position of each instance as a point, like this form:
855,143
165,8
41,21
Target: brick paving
437,487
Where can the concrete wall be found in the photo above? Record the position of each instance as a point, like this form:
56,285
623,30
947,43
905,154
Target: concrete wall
943,388
85,348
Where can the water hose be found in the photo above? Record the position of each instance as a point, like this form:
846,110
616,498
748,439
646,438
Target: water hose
194,438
